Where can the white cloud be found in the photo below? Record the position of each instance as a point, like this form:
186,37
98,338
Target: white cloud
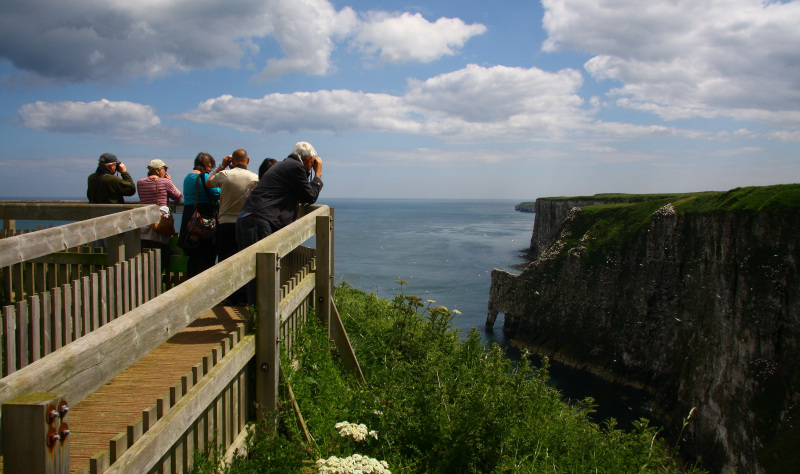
470,104
408,37
682,59
307,31
102,117
86,40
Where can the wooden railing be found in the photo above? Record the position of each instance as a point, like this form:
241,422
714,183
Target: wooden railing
288,289
48,320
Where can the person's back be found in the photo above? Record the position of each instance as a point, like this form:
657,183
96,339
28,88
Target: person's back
280,190
273,203
232,184
104,187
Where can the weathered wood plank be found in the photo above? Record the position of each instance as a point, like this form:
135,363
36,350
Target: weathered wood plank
10,329
57,319
34,328
47,326
66,326
22,335
46,241
146,452
102,276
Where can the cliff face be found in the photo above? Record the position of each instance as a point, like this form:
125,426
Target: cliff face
700,308
547,221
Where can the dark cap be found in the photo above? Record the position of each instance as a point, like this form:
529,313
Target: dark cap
108,158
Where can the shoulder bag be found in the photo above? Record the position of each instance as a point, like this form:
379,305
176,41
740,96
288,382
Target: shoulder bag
199,226
166,224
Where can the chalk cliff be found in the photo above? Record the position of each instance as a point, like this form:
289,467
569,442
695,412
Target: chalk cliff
693,297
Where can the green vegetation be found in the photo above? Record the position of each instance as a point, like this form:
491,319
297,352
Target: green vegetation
609,227
436,402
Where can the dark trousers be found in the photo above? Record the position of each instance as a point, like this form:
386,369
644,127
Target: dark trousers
227,247
200,255
250,230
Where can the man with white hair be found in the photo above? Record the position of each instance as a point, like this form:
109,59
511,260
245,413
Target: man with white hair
273,203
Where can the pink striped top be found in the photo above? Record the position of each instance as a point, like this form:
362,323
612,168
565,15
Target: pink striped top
147,191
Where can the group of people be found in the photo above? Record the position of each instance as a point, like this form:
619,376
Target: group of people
247,206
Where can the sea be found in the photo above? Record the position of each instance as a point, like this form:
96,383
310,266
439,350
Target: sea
445,250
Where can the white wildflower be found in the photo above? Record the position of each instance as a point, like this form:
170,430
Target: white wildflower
431,301
355,464
359,432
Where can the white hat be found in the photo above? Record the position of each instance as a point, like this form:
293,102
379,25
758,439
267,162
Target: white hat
157,164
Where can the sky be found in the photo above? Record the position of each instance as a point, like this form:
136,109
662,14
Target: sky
471,99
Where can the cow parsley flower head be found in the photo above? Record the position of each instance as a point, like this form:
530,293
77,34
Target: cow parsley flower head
358,432
354,464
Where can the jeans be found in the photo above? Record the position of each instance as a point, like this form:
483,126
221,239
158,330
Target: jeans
249,231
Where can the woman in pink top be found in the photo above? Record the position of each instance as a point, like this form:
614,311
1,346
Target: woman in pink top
155,189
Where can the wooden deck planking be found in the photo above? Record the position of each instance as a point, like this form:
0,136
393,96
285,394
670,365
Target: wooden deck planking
108,412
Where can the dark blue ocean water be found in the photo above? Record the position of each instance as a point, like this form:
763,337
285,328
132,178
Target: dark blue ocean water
445,250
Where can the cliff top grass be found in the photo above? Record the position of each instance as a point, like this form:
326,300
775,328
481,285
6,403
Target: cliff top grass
779,197
625,215
433,403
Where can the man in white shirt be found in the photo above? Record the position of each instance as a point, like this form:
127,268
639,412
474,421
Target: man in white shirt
232,184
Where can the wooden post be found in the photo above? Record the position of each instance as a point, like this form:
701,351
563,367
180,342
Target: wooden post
324,274
133,243
36,434
115,249
267,342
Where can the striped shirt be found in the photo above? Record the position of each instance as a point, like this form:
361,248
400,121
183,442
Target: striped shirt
147,191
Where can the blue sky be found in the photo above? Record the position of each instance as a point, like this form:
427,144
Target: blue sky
472,99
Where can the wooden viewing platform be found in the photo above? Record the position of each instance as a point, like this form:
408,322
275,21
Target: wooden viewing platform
149,376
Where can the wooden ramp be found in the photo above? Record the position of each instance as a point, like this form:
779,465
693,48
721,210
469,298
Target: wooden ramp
120,403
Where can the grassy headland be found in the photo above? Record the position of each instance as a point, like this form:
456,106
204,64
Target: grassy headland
435,402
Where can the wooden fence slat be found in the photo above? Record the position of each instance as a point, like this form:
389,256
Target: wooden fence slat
46,322
126,287
56,320
113,292
10,330
94,285
134,432
77,313
34,328
102,276
22,334
66,315
86,304
117,446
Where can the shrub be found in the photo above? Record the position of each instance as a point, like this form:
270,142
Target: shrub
438,402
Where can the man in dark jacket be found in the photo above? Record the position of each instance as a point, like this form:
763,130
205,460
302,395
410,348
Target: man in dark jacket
105,187
274,202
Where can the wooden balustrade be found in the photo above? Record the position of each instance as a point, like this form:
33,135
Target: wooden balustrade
292,280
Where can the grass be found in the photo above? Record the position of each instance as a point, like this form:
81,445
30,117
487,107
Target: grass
438,403
611,227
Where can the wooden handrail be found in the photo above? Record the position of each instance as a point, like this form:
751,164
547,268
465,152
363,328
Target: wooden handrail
60,210
43,242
